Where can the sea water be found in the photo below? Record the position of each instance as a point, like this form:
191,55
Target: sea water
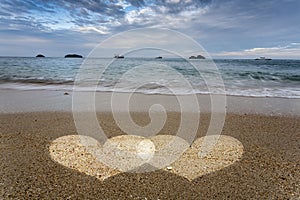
242,77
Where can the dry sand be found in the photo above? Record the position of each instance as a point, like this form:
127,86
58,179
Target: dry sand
268,168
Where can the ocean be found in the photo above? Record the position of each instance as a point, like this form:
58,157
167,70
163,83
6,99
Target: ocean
241,77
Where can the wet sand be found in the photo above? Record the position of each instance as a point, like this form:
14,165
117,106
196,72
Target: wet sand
267,169
13,101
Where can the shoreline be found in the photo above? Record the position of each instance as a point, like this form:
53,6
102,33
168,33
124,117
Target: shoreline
20,101
51,87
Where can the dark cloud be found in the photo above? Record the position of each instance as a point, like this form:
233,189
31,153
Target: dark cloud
78,8
104,8
22,24
5,14
85,9
44,12
25,6
137,3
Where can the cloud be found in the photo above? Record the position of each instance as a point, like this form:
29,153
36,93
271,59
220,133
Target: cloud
100,30
25,6
178,6
28,39
24,24
221,26
78,13
139,3
289,51
95,12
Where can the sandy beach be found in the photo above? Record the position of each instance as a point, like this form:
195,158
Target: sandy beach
268,167
160,99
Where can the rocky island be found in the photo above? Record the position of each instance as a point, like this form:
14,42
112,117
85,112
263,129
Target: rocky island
197,57
73,56
40,56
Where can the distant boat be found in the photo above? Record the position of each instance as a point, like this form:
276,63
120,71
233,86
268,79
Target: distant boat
197,57
118,56
263,58
158,57
73,56
40,56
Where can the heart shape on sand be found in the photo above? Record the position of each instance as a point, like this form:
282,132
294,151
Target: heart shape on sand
126,153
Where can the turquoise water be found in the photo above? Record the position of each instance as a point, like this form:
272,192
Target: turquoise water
276,78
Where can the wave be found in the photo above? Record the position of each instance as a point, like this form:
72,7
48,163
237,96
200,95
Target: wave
152,89
40,80
293,78
266,76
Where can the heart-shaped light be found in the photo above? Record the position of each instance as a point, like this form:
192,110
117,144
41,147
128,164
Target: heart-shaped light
225,152
128,152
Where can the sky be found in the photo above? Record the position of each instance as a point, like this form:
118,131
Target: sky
225,28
